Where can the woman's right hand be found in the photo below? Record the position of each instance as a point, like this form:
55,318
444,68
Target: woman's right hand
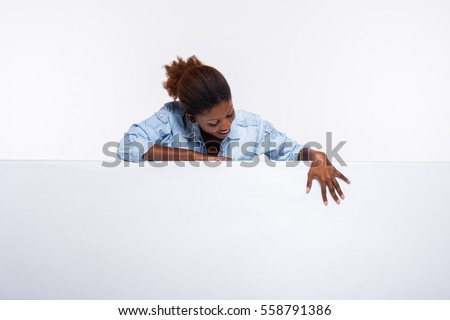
223,159
162,153
215,158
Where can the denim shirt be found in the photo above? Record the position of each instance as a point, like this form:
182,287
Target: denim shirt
249,136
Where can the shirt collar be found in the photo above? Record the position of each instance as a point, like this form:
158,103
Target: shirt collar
192,130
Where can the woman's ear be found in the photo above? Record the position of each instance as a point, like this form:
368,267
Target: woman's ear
191,118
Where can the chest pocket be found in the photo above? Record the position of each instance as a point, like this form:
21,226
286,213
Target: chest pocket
269,129
248,122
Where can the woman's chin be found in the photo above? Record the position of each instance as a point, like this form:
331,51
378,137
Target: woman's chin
222,135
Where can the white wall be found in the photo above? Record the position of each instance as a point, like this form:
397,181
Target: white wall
75,75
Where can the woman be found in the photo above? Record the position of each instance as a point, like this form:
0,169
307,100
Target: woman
203,125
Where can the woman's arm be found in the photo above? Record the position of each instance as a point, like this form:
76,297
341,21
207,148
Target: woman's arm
160,153
304,154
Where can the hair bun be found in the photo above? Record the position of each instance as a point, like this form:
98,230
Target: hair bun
174,72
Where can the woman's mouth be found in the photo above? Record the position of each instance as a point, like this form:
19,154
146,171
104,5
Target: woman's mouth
224,133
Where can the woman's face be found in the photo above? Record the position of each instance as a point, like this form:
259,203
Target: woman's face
217,121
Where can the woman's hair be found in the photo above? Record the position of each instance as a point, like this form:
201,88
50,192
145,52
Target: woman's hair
198,87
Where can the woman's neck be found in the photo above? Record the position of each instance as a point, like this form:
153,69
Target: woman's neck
207,137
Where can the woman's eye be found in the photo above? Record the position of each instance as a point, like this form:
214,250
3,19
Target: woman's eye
213,124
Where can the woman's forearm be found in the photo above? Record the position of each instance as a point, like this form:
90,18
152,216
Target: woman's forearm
160,153
306,154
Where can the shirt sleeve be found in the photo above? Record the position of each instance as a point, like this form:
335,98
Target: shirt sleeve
142,136
275,144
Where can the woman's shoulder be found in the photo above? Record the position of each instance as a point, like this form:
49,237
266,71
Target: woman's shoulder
170,110
172,107
245,118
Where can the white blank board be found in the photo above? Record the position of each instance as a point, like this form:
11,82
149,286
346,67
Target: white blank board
77,230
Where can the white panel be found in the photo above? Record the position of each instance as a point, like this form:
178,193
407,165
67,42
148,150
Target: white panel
77,230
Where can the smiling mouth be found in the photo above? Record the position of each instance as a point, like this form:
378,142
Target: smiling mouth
224,132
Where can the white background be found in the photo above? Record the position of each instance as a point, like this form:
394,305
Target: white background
76,74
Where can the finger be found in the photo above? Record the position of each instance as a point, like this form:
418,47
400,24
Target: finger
324,193
342,177
333,193
309,182
338,188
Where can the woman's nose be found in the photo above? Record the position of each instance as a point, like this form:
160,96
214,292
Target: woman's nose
226,124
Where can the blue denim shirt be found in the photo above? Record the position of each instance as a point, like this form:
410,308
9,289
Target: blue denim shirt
249,136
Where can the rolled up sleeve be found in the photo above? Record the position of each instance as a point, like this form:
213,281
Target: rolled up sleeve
276,145
142,136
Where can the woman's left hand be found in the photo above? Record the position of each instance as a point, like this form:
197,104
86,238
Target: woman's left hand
322,170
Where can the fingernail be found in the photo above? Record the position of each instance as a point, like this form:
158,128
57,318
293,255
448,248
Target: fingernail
338,201
307,190
349,182
343,197
326,203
